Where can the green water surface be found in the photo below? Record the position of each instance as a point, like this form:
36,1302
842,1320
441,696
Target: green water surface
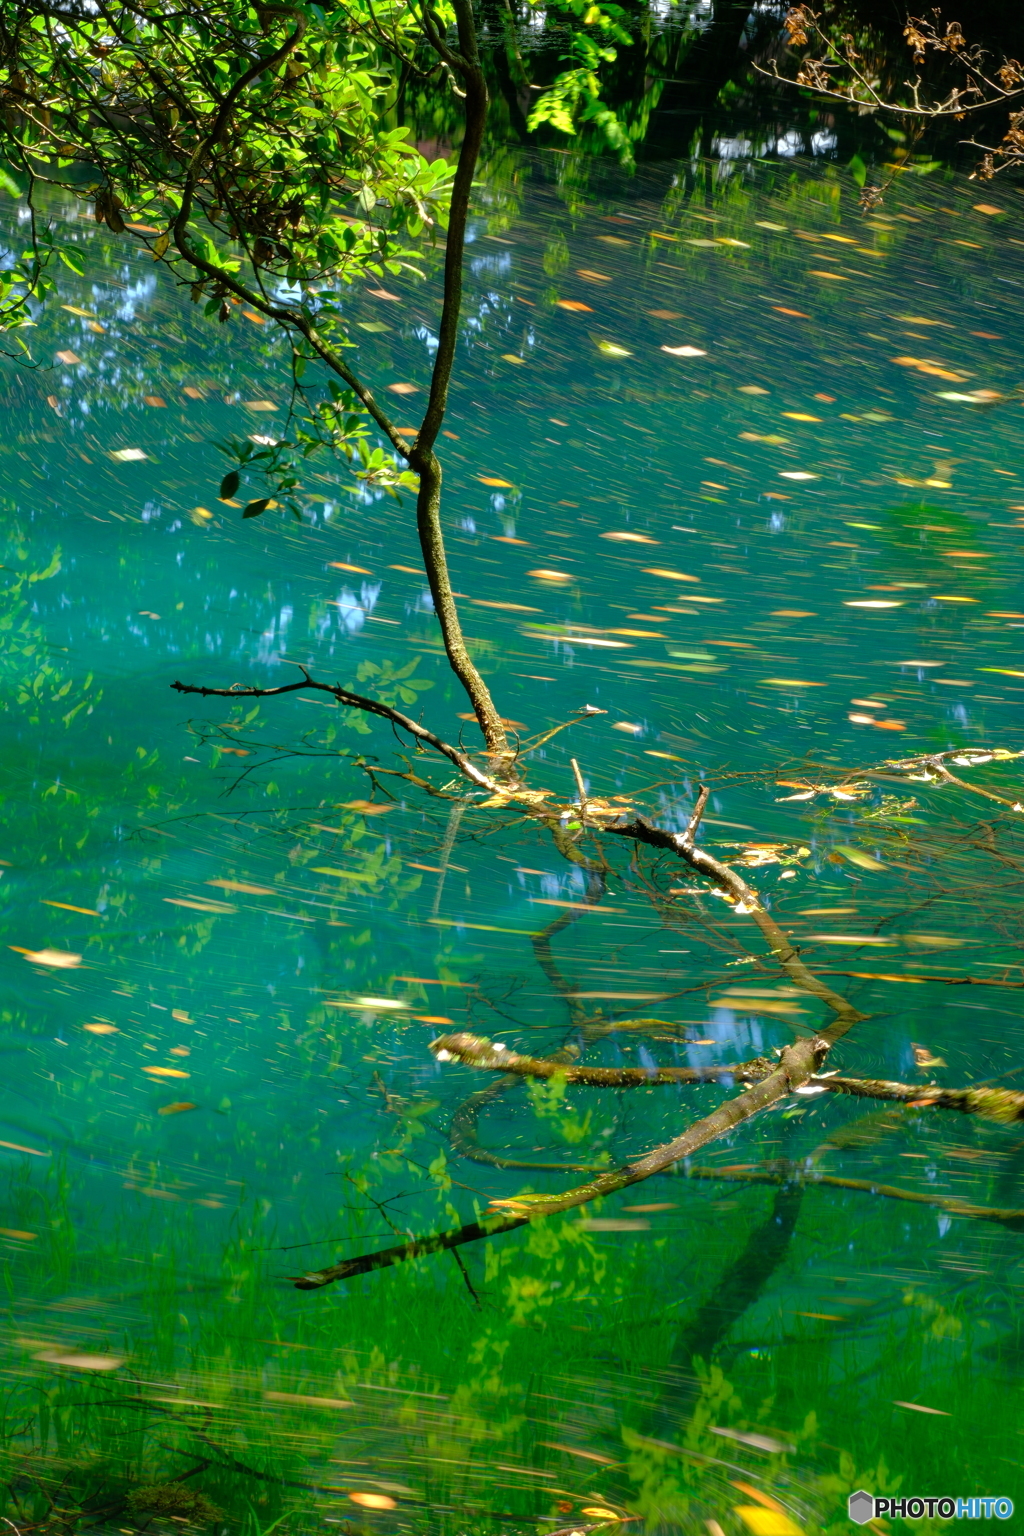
785,555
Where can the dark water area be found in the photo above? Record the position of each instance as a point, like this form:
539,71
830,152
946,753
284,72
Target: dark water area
738,466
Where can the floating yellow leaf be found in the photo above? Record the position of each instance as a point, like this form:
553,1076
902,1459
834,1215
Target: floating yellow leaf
56,959
858,857
574,305
80,1362
630,538
611,349
684,351
200,906
101,1028
317,1402
240,886
128,455
800,416
767,1522
358,570
179,1108
598,1512
990,209
511,357
669,575
550,575
166,1072
791,682
259,405
403,389
374,1500
494,480
66,906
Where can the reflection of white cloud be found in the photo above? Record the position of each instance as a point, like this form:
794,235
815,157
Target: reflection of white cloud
822,143
790,144
352,610
732,149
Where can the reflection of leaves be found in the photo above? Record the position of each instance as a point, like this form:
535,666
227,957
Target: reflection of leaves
922,537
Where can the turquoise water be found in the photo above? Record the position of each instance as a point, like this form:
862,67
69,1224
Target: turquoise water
779,556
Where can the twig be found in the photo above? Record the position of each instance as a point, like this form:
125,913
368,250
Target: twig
465,1275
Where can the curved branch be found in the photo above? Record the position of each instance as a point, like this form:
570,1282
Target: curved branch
356,701
746,901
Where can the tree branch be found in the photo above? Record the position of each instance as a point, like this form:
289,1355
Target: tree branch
356,701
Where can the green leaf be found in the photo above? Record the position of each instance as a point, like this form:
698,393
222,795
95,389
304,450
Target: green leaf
858,170
256,508
229,485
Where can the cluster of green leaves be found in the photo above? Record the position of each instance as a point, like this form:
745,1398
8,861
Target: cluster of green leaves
250,139
575,95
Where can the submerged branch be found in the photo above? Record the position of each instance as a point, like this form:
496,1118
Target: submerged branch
744,900
474,1051
1000,1104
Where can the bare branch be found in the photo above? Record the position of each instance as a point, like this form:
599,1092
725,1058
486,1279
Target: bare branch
356,701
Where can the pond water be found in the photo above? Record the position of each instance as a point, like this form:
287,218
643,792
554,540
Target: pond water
732,463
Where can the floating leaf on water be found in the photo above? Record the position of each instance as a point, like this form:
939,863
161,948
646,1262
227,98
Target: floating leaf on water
403,389
68,358
923,1057
550,575
13,1146
591,276
990,209
759,1443
259,405
767,1522
56,959
800,416
101,1028
797,314
242,888
858,856
612,1224
797,474
574,306
670,575
598,1512
920,1408
495,480
374,1500
180,1108
166,1072
200,905
872,602
684,351
359,570
513,357
128,455
306,1401
66,906
368,807
156,401
611,348
80,1362
629,538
